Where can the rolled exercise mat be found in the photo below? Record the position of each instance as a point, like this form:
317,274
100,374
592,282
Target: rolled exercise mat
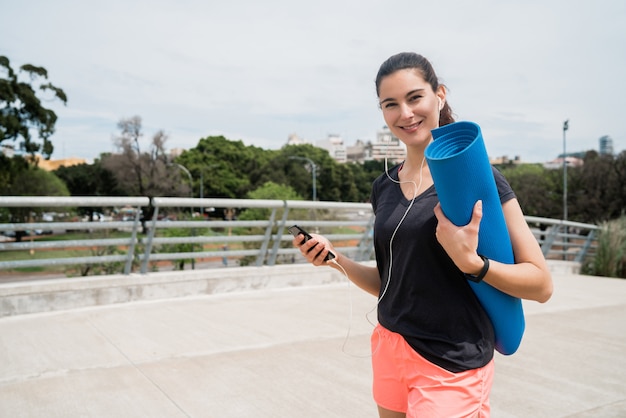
462,174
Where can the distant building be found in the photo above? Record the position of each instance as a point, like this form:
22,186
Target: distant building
505,160
52,165
176,152
48,165
606,145
335,147
294,139
388,146
359,152
557,163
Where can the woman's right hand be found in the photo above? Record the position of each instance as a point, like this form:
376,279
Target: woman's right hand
315,249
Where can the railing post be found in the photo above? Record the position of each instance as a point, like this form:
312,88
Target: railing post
279,235
365,245
266,240
133,241
547,243
583,251
148,250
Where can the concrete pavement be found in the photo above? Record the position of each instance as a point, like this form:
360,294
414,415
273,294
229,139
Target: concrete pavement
283,352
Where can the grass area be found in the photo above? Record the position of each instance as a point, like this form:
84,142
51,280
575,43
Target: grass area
81,235
70,252
42,254
610,257
52,253
71,270
38,269
60,252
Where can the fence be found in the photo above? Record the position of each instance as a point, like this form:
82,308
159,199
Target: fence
255,236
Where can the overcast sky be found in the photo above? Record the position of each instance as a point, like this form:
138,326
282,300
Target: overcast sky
260,70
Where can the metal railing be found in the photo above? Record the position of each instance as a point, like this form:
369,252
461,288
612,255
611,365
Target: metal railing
257,236
264,239
48,202
565,240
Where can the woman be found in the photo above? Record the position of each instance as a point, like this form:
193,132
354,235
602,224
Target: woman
432,350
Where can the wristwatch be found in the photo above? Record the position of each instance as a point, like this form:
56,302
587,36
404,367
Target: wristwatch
479,278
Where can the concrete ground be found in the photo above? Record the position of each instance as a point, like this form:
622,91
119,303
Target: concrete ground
292,352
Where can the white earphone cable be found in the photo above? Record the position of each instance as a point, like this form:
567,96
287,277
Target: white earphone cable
415,192
416,189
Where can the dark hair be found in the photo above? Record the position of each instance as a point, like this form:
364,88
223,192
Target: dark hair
411,60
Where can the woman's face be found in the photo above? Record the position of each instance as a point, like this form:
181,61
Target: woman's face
410,106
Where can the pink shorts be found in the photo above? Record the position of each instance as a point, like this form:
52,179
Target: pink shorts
406,382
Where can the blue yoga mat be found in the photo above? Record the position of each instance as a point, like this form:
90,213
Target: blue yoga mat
460,168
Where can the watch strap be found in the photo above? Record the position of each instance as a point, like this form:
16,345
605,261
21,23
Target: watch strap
480,276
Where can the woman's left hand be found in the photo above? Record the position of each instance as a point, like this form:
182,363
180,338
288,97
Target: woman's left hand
461,242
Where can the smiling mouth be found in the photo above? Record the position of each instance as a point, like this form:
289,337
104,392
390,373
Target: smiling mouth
411,127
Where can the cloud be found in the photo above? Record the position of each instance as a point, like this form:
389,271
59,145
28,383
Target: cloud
258,71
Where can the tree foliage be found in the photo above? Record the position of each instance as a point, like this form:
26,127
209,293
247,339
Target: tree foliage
271,191
143,173
89,180
599,189
226,168
529,181
230,169
21,110
19,178
596,191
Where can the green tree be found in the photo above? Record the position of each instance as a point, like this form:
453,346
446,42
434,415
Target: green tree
372,170
347,184
300,175
143,173
537,189
596,189
89,180
225,168
619,166
19,178
21,110
334,181
228,169
270,191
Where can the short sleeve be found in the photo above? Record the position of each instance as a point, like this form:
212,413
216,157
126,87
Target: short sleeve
505,191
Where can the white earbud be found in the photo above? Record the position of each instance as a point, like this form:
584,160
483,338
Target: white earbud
440,103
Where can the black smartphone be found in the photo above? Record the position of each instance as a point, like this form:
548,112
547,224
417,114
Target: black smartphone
295,230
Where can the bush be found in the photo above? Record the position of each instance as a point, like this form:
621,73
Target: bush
610,257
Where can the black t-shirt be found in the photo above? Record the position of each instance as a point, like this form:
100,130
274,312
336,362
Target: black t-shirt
428,300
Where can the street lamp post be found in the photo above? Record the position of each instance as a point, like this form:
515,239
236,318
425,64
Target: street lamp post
182,167
565,128
565,245
313,173
202,182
